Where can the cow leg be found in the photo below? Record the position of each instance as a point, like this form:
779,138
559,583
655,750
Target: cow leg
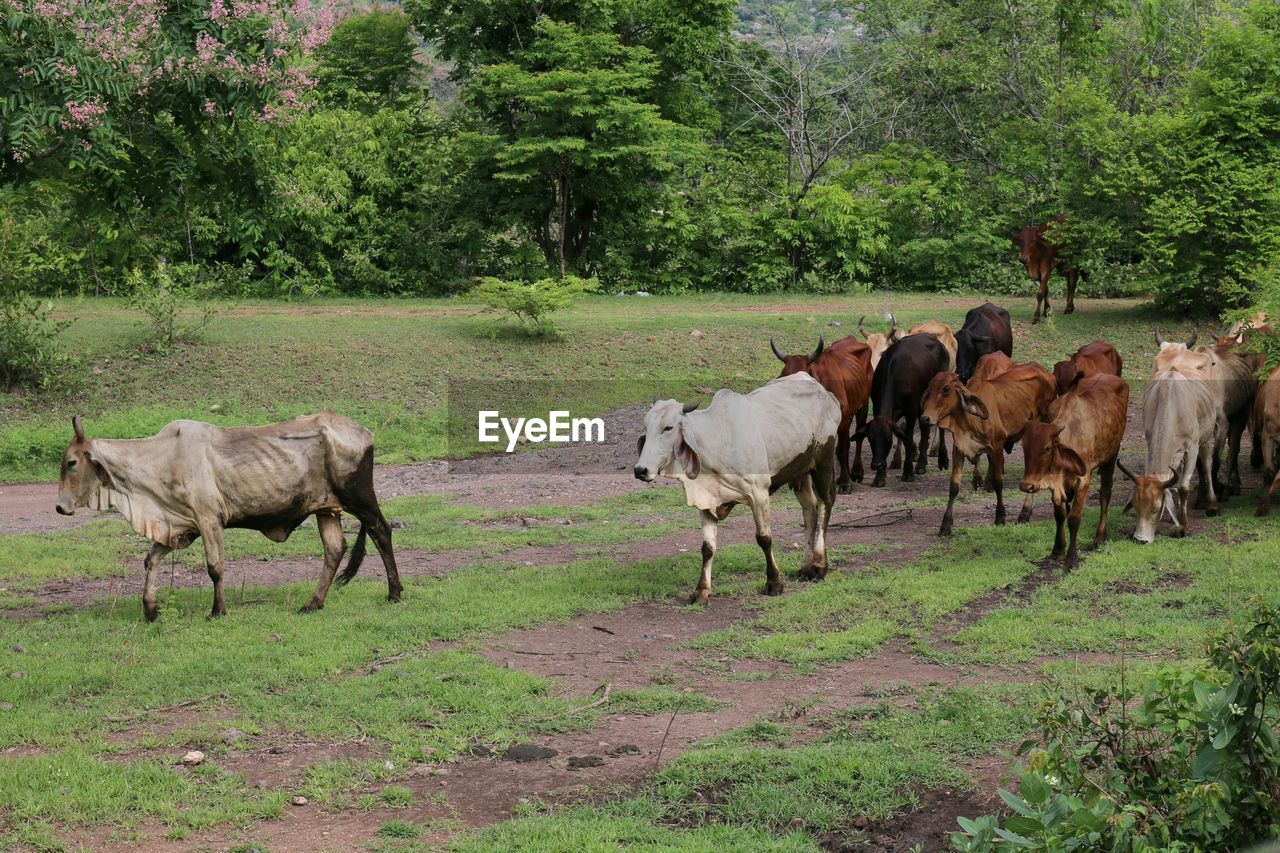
977,470
150,608
212,537
1059,536
957,473
859,424
380,533
760,512
1073,277
335,545
944,461
1073,522
995,475
917,458
815,552
1042,299
1106,476
1265,506
710,525
896,462
1027,506
1233,457
1206,479
842,457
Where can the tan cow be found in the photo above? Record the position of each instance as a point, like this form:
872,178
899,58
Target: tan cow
1267,416
942,332
879,341
1182,417
987,417
193,480
1084,432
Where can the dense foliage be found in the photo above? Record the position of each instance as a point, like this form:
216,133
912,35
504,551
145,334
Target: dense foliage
1190,762
651,144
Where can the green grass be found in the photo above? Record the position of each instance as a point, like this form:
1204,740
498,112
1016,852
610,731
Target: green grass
390,364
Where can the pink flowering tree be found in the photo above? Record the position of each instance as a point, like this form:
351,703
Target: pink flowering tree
139,99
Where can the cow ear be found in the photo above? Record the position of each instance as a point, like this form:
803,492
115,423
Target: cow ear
640,445
687,457
104,473
973,405
1070,461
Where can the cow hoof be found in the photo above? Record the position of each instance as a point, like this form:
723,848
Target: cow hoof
217,614
845,488
1070,309
310,607
878,482
394,597
1210,512
1035,320
945,530
773,588
151,614
1180,533
1000,520
857,476
1072,562
1262,511
700,596
908,477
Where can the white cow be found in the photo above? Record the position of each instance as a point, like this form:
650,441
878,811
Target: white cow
741,449
192,480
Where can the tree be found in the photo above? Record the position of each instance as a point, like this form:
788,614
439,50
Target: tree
369,60
573,140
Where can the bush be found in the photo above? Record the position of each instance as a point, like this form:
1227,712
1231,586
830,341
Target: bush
1193,763
166,299
29,355
532,304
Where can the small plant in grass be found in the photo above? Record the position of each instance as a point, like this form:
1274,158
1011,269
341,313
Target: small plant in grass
531,304
396,828
1190,763
169,299
396,797
29,354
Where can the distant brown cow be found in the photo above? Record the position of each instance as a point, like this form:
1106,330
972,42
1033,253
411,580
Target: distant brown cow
1041,247
844,369
1096,357
1083,433
192,480
986,418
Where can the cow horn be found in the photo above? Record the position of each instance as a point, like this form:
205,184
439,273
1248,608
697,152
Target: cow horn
777,351
1124,470
893,321
817,352
1171,482
1191,341
862,331
77,423
1159,337
689,407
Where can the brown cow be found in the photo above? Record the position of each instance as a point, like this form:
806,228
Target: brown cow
1242,332
192,480
942,332
1083,433
1040,254
987,417
1096,357
844,369
1267,418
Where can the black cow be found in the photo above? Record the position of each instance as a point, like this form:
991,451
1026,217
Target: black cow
986,330
897,394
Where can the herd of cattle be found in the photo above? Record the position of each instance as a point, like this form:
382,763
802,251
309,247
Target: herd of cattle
799,429
193,480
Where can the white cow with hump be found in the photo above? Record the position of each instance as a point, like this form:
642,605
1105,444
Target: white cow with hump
741,449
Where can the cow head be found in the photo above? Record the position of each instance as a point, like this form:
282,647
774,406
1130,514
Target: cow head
796,363
1065,374
662,449
1026,239
879,433
879,341
1170,345
947,397
1047,458
82,472
1150,497
970,347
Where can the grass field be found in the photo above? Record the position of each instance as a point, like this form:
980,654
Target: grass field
397,366
874,703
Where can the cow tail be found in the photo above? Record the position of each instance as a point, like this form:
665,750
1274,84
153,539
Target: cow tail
353,563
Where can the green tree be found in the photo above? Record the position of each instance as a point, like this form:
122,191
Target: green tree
369,60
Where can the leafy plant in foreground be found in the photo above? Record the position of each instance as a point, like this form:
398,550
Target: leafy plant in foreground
532,304
1192,763
28,354
163,299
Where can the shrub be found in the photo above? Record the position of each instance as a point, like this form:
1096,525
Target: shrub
166,299
29,354
1191,763
531,304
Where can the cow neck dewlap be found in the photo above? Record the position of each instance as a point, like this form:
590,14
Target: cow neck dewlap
144,512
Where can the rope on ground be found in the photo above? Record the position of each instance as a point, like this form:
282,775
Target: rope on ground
876,519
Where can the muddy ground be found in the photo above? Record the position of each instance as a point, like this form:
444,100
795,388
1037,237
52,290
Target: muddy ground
621,649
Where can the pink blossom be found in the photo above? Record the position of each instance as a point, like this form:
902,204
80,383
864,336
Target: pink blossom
83,114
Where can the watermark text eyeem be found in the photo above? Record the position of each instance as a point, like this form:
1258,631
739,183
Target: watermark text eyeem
558,428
